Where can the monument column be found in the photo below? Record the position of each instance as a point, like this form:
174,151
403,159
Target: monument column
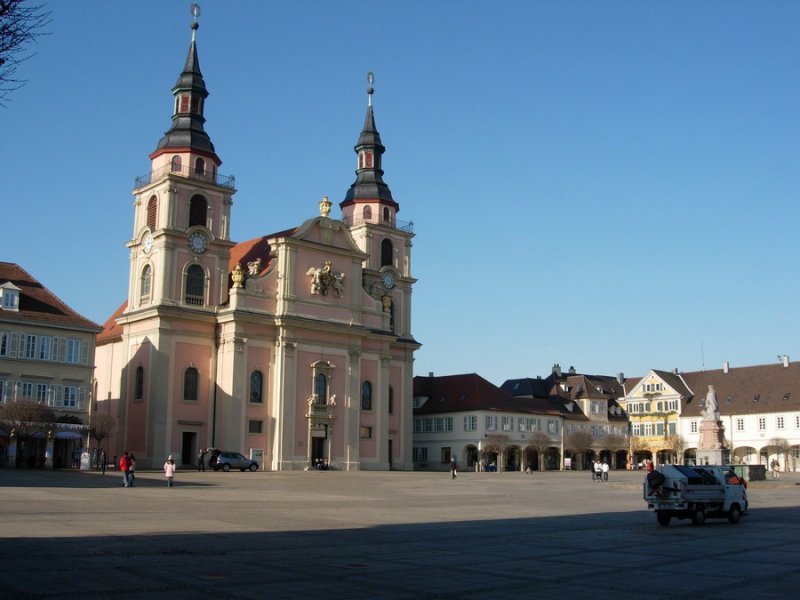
710,448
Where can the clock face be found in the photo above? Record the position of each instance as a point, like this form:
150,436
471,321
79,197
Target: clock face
147,244
198,242
388,280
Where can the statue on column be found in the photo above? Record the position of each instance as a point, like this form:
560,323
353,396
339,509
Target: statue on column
711,410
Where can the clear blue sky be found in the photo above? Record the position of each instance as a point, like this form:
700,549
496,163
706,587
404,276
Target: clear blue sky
609,185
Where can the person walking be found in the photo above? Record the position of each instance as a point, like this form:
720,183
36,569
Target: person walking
201,460
593,469
775,468
125,467
453,467
169,471
605,468
132,470
598,471
103,461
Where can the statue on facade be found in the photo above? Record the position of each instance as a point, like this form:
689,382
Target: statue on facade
253,267
238,276
324,280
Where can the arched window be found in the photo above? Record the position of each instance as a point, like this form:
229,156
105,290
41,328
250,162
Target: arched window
177,164
366,396
367,213
191,380
198,207
138,392
386,214
185,103
387,252
256,387
391,400
152,212
199,166
146,284
321,388
195,285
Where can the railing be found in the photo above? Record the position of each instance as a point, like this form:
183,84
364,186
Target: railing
228,181
407,226
319,410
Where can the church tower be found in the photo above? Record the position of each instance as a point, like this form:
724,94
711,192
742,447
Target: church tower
181,244
178,278
370,212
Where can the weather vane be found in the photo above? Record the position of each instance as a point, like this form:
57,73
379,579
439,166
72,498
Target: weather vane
195,10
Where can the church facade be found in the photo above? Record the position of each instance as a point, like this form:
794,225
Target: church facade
294,348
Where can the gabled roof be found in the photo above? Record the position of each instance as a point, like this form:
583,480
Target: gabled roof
675,381
746,390
470,392
37,303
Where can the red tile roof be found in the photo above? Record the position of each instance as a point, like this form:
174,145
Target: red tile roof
112,331
37,303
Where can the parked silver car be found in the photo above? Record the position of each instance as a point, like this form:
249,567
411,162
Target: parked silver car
232,460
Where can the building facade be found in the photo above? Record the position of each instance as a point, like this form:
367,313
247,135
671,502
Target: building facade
47,357
293,347
758,407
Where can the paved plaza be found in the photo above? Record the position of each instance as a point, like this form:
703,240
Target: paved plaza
336,535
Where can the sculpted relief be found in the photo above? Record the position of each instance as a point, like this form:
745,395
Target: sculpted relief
324,281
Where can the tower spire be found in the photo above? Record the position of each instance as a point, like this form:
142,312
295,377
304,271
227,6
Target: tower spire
369,184
187,133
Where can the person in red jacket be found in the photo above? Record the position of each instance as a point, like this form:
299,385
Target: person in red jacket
125,467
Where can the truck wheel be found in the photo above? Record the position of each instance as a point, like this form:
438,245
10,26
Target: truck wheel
734,514
663,518
698,516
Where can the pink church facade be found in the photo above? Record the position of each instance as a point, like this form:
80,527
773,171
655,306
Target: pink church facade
294,348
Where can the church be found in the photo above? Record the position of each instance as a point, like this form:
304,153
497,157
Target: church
294,348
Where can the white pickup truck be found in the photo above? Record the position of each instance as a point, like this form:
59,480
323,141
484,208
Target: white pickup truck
695,493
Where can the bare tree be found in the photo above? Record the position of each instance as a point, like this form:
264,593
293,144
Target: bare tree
540,442
616,442
579,441
20,25
26,418
781,446
102,426
497,443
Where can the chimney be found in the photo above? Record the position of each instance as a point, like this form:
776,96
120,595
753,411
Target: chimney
557,370
675,371
430,373
620,378
726,367
785,361
572,370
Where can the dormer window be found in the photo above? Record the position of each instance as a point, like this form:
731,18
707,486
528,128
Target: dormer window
9,297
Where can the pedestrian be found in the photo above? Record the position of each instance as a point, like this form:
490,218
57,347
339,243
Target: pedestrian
598,471
125,467
648,465
169,471
201,460
132,470
103,461
605,468
453,467
593,469
775,468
